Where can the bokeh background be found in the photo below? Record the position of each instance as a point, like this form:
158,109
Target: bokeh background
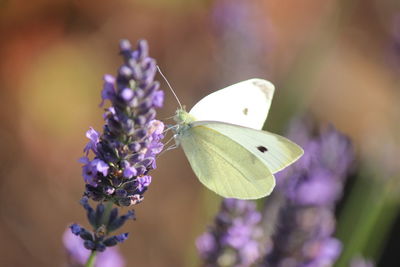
338,60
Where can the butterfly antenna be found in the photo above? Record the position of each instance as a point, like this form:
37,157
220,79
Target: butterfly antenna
167,118
172,90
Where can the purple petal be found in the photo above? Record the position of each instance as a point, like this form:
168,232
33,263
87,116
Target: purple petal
143,182
100,166
84,160
129,171
127,94
206,244
88,173
158,99
125,45
122,237
93,135
108,91
156,127
94,138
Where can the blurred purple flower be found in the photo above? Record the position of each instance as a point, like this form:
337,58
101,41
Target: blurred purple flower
78,254
394,51
234,238
361,262
310,189
318,177
240,29
206,244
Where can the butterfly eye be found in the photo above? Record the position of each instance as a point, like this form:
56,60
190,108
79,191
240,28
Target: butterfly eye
262,149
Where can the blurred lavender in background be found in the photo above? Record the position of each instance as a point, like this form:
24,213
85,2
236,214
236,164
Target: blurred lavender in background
299,220
394,56
309,191
243,34
77,254
235,238
361,262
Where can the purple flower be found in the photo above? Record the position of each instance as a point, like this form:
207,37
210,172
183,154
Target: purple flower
234,238
126,150
309,191
129,170
94,138
100,166
108,92
78,254
319,189
237,235
321,252
143,182
206,244
91,169
250,252
158,99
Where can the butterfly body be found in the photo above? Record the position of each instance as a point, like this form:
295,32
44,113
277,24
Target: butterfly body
227,150
184,121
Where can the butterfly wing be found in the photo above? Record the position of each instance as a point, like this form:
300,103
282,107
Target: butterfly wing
246,103
275,151
225,166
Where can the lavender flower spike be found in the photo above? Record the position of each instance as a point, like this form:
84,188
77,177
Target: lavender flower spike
234,239
310,189
125,152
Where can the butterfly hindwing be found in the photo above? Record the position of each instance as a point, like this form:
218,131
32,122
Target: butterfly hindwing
224,166
275,151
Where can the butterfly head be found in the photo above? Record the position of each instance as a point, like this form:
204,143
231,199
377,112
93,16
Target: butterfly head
182,117
183,120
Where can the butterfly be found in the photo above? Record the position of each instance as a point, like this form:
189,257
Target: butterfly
222,139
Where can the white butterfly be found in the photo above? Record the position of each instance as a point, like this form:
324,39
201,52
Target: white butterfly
226,148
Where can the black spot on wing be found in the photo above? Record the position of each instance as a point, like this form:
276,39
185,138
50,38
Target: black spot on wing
245,111
262,149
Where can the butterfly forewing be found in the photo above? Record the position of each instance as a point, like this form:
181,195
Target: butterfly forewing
246,103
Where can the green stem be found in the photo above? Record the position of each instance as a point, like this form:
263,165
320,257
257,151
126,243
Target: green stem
91,260
365,220
107,211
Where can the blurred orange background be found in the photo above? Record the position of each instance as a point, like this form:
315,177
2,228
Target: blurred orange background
332,58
